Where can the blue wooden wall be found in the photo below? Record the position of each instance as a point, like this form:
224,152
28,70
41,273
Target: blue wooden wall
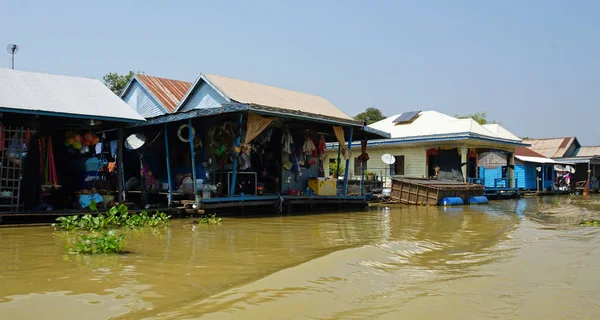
525,175
489,175
203,97
138,98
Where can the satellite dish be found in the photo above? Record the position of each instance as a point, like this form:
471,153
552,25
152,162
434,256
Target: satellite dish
12,49
388,159
135,141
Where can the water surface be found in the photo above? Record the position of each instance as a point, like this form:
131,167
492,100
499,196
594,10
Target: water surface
522,259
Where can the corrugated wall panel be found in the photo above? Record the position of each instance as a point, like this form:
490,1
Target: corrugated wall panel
203,97
142,102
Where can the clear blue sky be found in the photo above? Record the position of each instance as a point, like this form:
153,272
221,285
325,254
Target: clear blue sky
532,65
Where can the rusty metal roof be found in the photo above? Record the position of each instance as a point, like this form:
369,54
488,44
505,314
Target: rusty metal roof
551,147
168,91
588,151
526,152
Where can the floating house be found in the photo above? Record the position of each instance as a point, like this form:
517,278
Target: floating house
57,134
576,161
533,171
222,142
430,144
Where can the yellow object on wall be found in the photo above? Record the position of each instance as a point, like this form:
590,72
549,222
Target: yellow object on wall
323,187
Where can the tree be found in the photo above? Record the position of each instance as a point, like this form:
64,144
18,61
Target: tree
117,82
479,117
371,115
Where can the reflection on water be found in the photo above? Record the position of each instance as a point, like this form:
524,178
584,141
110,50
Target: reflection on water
510,259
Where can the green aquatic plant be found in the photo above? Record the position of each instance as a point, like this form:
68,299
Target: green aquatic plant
116,217
209,219
108,242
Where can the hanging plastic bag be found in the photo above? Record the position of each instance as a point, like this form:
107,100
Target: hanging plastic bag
17,150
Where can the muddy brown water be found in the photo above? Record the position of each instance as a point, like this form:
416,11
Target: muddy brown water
521,259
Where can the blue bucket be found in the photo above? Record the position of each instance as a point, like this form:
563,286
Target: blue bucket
452,201
478,200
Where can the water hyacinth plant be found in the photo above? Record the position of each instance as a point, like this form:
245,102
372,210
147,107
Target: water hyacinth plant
116,217
108,242
209,219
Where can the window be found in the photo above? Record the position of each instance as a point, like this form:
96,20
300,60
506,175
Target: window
399,165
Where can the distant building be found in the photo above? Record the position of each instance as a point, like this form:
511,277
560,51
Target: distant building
430,143
568,151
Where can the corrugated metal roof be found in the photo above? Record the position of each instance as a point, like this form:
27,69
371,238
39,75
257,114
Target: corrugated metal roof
41,93
501,131
527,152
588,151
433,123
253,93
551,147
542,160
168,91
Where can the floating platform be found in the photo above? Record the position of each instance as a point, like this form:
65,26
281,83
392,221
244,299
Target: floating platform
431,191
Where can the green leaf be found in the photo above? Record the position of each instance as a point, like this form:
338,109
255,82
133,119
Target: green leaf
93,206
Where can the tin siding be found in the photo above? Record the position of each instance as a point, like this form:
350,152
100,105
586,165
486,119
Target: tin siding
141,101
203,97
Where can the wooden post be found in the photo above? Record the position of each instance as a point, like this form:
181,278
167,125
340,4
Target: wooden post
511,170
238,140
120,171
465,160
586,190
193,155
543,177
170,196
347,164
338,162
362,179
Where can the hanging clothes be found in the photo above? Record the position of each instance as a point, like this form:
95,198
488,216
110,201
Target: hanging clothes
308,146
287,141
321,148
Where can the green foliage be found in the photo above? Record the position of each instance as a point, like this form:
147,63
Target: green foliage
108,242
371,115
209,219
333,167
116,217
480,117
117,82
590,223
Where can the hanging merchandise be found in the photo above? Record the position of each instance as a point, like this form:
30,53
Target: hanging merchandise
287,141
364,156
50,172
308,146
321,148
17,150
180,133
